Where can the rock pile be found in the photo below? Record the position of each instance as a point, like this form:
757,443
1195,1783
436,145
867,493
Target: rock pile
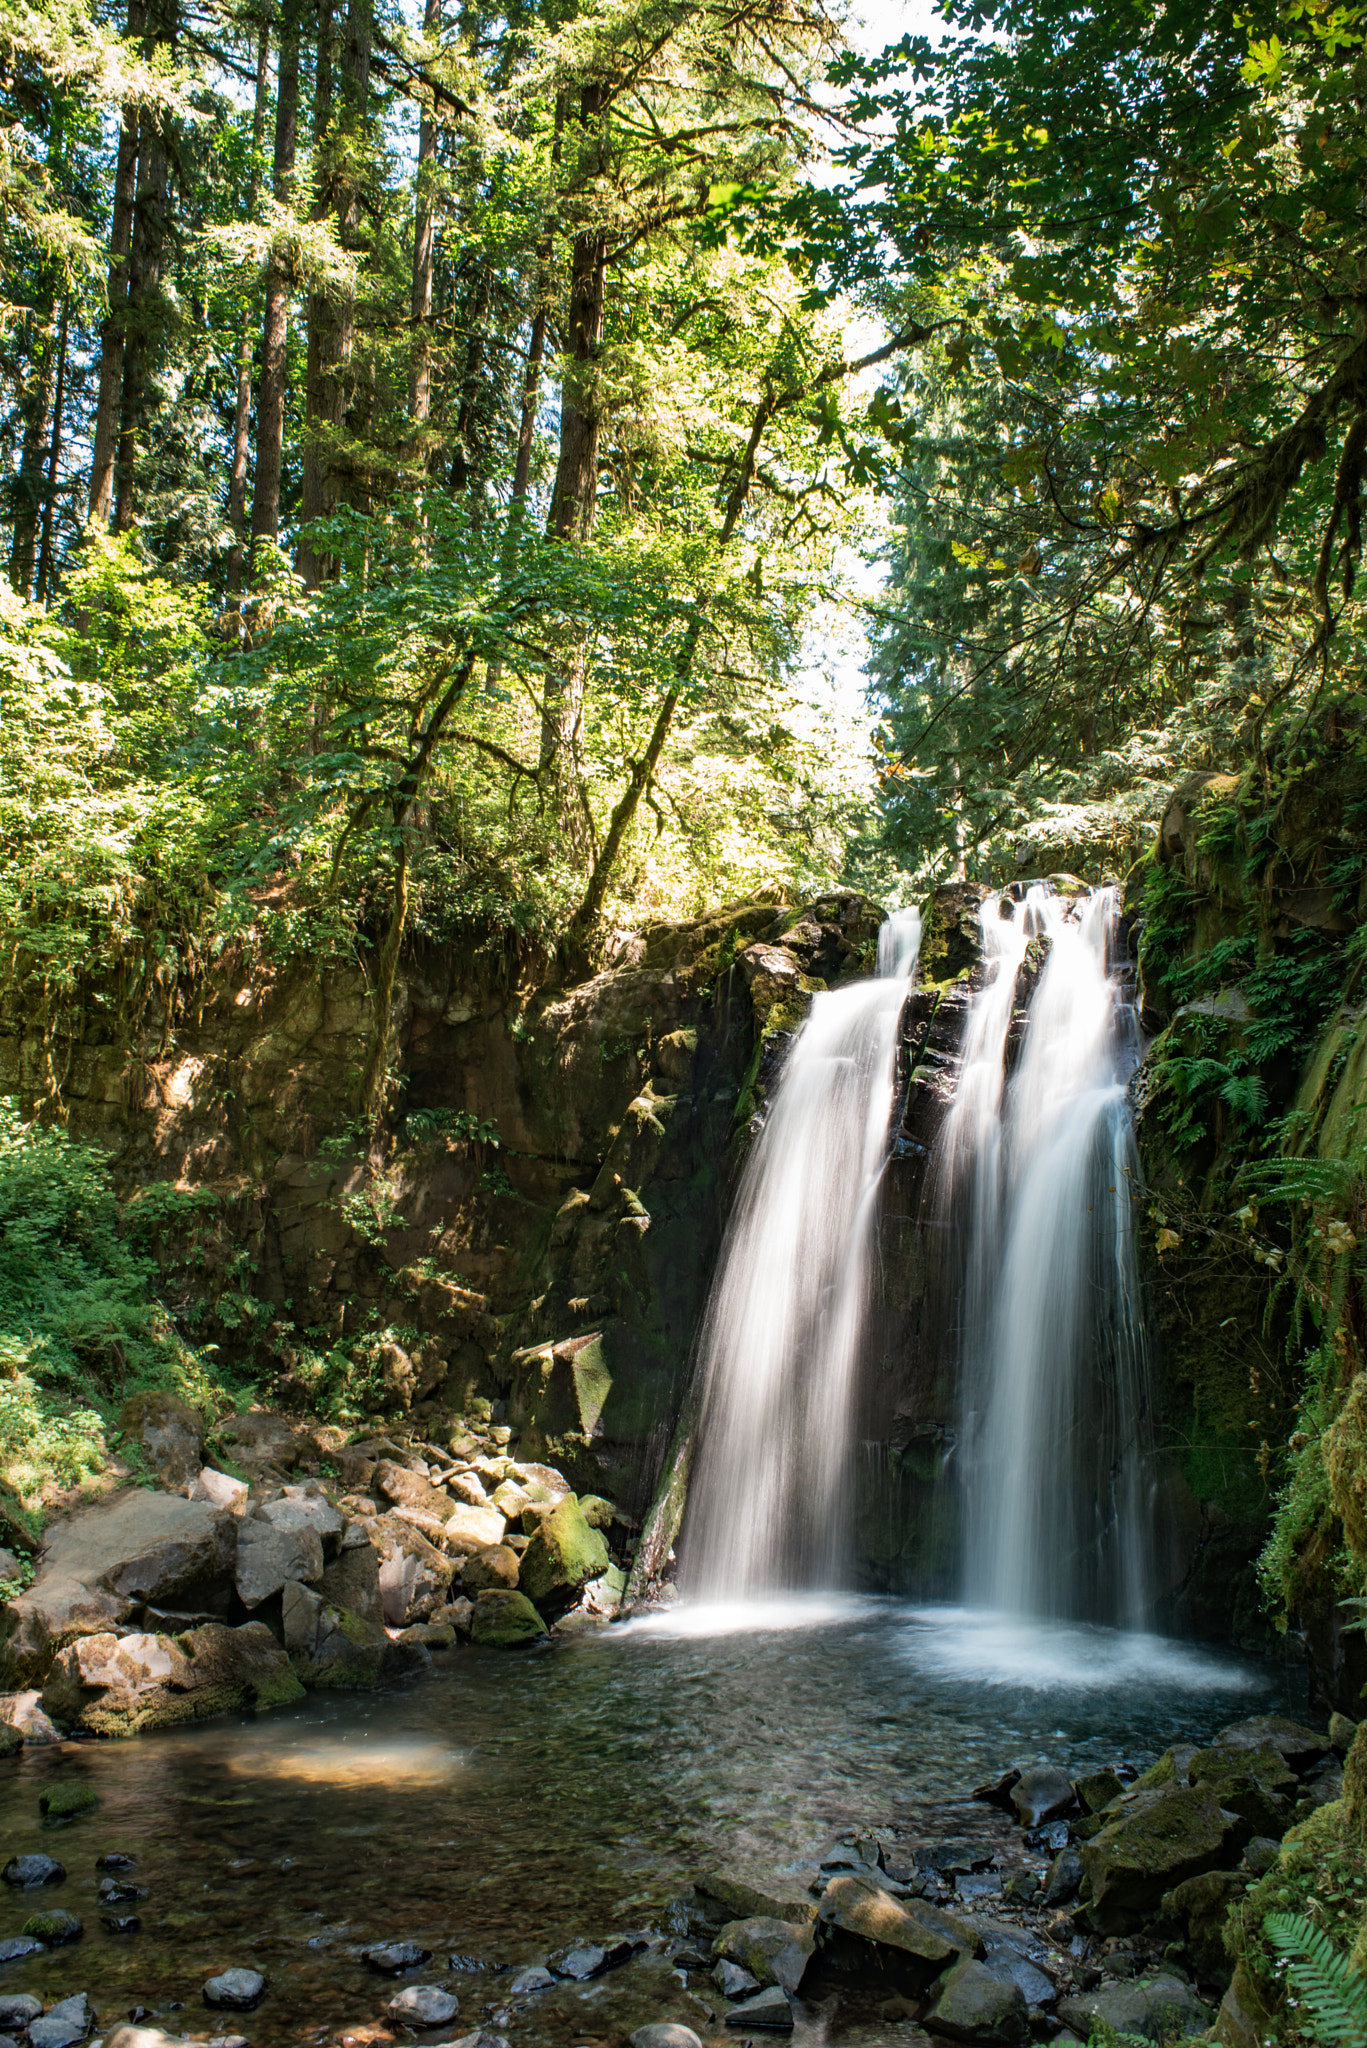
152,1608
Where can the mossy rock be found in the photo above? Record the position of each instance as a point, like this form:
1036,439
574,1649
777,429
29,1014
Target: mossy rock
563,1555
11,1741
64,1802
503,1621
1166,1836
53,1927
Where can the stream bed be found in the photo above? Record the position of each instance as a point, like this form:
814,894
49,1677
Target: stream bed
506,1803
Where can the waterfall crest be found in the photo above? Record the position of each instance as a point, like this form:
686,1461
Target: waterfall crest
780,1338
1039,1175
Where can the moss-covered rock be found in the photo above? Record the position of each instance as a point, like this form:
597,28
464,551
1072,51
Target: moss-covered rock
774,1951
864,1932
53,1927
121,1685
973,2003
1163,1837
64,1802
563,1555
504,1621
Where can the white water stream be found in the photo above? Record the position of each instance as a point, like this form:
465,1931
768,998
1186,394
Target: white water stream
780,1339
1040,1176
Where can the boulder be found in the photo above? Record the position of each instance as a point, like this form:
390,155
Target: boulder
26,1872
169,1434
468,1529
1298,1747
1040,1795
17,2008
579,1961
974,2003
1158,2008
1065,1875
53,1927
235,1991
120,1685
861,1930
729,1898
597,1512
1200,1906
1097,1790
1166,1836
422,2005
773,1951
768,2010
105,1567
220,1488
263,1444
563,1553
494,1570
392,1958
732,1981
63,2024
1253,1783
306,1507
268,1556
352,1583
534,1979
410,1489
503,1620
333,1646
64,1802
22,1712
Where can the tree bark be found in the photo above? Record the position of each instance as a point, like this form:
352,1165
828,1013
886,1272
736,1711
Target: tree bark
144,305
329,479
106,431
237,479
270,403
54,457
424,245
35,406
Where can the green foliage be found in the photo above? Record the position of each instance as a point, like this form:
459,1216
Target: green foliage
81,1323
1331,1996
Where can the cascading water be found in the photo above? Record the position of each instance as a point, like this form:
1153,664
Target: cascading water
1040,1176
780,1339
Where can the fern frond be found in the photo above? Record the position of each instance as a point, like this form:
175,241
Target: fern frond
1334,1993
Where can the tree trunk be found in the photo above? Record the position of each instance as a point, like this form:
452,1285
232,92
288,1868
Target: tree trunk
328,467
106,431
54,457
424,243
237,480
270,404
35,406
145,304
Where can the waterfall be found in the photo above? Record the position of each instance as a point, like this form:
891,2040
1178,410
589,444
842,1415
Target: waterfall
1039,1174
780,1338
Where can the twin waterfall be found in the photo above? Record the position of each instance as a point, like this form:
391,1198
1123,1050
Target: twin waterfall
1035,1177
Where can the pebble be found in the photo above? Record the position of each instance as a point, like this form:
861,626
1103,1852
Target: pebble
423,2005
392,1958
235,1990
26,1871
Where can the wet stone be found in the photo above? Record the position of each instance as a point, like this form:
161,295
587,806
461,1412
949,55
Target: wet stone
18,1947
1065,1875
1157,2009
665,2034
115,1860
24,1872
470,1966
116,1891
53,1928
1041,1795
732,1981
17,2008
997,1792
535,1979
769,2011
976,2003
392,1958
580,1961
120,1923
235,1990
63,2024
423,2005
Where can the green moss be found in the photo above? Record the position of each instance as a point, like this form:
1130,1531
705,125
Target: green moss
504,1621
64,1802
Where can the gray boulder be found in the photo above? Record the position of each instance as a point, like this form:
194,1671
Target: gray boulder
105,1567
1167,1835
1156,2007
768,2011
121,1685
665,2034
976,2003
235,1990
1041,1795
862,1931
267,1556
423,2005
62,2025
770,1951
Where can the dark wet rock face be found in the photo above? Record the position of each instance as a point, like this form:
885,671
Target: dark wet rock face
392,1958
1158,2008
977,2003
1041,1795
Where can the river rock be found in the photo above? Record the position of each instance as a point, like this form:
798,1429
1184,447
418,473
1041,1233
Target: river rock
267,1557
534,1979
768,2011
493,1570
392,1958
1201,1906
103,1567
863,1931
483,2039
351,1582
411,1489
1041,1794
1155,2007
975,2003
423,2005
772,1951
1255,1784
1097,1790
997,1791
24,1872
306,1507
235,1991
730,1898
562,1554
732,1981
18,1948
54,1928
332,1646
501,1621
665,2034
62,2024
1065,1876
467,1529
1299,1747
22,1712
1167,1836
580,1961
17,2008
120,1685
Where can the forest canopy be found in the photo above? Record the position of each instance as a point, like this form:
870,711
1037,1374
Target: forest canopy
432,447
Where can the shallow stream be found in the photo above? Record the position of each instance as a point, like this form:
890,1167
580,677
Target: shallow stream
506,1803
